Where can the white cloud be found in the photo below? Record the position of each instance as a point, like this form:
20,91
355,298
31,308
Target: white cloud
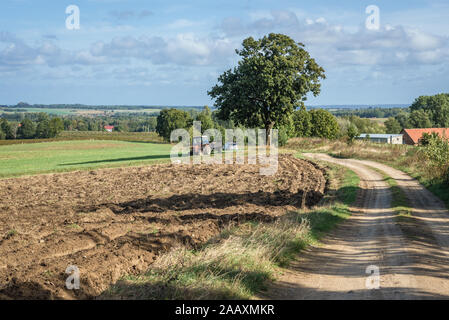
17,54
183,49
182,23
335,45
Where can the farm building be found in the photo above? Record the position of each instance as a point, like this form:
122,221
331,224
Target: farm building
382,138
413,136
109,128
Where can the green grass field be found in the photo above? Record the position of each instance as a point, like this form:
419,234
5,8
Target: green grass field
152,137
55,112
26,159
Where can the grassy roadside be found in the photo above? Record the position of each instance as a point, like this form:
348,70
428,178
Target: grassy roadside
438,188
239,262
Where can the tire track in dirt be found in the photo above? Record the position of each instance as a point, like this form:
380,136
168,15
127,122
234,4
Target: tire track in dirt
411,267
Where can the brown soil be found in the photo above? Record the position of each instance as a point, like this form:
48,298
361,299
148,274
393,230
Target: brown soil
114,222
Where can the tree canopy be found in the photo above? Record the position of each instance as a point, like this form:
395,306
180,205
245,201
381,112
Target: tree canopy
352,133
302,122
171,119
27,129
205,117
393,125
7,129
325,125
436,107
420,119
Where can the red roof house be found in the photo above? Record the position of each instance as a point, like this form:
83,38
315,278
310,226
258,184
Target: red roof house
109,128
413,136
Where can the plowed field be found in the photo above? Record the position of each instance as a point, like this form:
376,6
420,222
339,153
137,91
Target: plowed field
114,222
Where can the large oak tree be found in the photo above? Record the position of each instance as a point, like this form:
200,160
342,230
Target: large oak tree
273,77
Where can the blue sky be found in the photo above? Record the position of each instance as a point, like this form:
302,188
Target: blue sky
171,52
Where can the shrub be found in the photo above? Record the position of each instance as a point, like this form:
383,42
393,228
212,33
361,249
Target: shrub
302,122
352,134
366,125
437,153
393,125
324,124
171,119
283,136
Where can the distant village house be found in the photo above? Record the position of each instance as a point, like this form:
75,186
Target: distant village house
109,128
413,136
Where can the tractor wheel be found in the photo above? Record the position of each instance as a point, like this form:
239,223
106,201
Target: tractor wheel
206,151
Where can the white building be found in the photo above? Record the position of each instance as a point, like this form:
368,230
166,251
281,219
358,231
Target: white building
382,138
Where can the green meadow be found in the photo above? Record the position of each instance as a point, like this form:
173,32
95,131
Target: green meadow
58,156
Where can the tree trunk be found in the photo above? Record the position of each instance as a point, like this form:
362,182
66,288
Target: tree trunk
268,127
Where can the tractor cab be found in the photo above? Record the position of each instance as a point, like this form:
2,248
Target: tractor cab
201,145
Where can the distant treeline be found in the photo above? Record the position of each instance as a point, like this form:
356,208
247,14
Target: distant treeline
24,105
370,112
79,123
121,123
424,112
43,127
303,123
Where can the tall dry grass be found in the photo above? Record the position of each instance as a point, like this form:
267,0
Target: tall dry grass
233,266
398,155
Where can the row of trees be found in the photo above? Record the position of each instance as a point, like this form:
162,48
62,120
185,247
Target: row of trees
314,123
121,123
45,127
425,112
302,123
171,119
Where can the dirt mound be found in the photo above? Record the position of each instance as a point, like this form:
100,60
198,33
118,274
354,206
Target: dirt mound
114,222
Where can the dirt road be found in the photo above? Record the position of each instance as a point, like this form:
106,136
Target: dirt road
412,254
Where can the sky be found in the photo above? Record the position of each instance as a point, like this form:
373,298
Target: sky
171,52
